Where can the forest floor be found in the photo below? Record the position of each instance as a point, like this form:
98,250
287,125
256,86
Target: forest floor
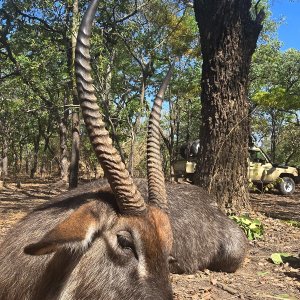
259,278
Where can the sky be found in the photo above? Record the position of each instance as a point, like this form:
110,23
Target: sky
289,31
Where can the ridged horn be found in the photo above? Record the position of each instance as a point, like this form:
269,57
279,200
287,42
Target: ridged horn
156,180
128,197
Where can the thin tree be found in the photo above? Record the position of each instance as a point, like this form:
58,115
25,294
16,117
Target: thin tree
229,30
74,163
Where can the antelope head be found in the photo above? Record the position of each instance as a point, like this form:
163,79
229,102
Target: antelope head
134,239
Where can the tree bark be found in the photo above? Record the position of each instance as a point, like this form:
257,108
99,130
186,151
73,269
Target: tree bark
64,162
36,143
4,162
136,126
273,134
228,36
174,132
108,98
74,164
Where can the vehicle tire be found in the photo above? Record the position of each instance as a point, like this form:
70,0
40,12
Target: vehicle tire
190,178
287,186
258,187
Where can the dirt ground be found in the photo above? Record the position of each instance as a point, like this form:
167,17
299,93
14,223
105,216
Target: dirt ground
259,278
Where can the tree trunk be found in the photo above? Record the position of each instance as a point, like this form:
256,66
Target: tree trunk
228,36
3,164
36,142
27,161
4,161
107,97
136,125
174,128
287,160
35,158
1,170
189,116
64,162
74,165
20,166
105,81
273,134
15,165
36,149
43,169
132,152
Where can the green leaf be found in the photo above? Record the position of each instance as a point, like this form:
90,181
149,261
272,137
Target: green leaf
262,273
277,257
252,228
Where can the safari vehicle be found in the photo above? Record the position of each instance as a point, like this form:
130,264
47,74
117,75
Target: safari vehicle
261,171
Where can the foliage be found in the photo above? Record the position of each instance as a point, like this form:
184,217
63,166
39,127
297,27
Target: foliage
293,223
288,150
265,188
275,92
252,228
280,258
272,185
131,40
279,83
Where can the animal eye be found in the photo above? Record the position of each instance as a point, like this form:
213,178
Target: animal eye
125,241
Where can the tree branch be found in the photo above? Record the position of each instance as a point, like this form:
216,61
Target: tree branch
46,26
139,61
14,73
136,10
256,7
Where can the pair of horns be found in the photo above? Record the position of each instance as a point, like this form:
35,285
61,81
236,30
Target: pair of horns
129,199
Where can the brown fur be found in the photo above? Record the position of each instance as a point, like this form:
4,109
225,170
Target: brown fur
73,229
100,270
203,237
161,221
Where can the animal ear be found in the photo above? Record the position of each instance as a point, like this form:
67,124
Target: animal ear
77,230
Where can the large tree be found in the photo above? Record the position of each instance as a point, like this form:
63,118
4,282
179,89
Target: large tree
229,30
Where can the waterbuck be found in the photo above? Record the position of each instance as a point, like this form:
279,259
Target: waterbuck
101,241
116,238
